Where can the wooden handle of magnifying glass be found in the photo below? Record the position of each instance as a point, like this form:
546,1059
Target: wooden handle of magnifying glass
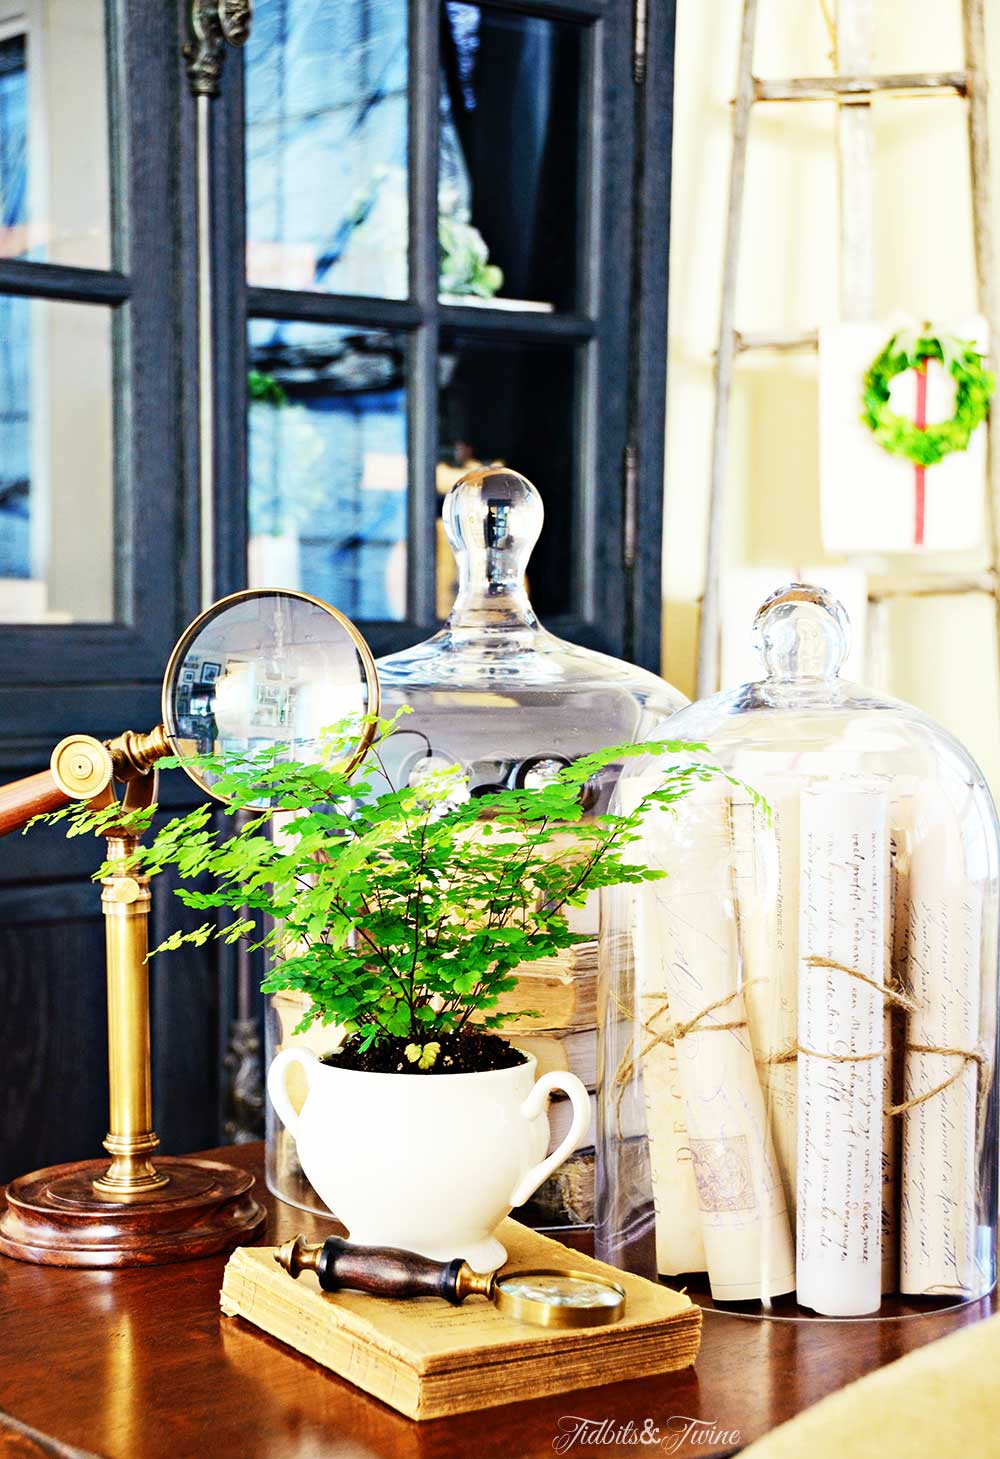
32,796
79,770
383,1271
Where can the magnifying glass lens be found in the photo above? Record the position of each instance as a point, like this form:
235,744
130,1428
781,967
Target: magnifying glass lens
266,669
561,1291
558,1299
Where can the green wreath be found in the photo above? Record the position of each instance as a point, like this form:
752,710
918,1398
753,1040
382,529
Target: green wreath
927,445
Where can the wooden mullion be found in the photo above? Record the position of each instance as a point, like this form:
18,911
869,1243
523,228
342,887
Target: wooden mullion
644,466
531,326
584,588
229,328
317,308
59,281
422,389
578,10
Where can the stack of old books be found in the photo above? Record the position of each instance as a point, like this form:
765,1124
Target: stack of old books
428,1359
563,992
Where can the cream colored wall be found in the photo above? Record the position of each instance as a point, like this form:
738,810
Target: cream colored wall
943,655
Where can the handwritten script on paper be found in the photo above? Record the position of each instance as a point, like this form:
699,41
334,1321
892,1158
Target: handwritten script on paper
939,1134
844,888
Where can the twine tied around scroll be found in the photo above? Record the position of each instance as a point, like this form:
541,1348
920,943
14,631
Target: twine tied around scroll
889,991
895,995
673,1033
967,1056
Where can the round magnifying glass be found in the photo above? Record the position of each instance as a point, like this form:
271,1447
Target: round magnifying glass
269,667
545,1297
558,1299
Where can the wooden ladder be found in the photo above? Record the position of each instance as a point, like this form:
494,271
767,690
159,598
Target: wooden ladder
851,89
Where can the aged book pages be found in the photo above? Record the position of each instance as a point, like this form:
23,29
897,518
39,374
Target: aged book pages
744,1219
843,918
766,884
427,1359
572,1049
939,1134
564,996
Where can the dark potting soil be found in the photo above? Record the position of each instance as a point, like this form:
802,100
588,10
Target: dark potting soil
460,1053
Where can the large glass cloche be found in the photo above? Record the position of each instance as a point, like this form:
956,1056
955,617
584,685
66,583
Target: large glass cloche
498,695
798,1104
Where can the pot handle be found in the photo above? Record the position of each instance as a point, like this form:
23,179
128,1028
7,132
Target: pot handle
277,1090
532,1108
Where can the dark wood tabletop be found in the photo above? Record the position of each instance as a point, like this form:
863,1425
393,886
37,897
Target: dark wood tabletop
139,1364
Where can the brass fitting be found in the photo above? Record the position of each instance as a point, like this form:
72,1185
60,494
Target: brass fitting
134,754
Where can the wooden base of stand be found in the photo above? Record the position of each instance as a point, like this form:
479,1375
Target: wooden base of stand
56,1218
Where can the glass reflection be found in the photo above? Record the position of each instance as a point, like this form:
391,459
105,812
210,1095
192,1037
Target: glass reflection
488,414
326,145
328,465
54,177
56,463
264,670
509,158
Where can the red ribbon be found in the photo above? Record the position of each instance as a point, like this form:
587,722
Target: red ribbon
919,472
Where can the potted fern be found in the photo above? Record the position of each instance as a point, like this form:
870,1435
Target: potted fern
401,913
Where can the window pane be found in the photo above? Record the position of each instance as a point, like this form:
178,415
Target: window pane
54,188
326,146
510,140
328,466
56,463
513,404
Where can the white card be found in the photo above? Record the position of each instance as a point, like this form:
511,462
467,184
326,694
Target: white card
871,500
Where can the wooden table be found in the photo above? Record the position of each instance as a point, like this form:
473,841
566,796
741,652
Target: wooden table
139,1364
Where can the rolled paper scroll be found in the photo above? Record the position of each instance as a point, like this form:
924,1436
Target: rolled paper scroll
744,1219
766,882
900,838
892,1043
679,1246
941,1079
843,915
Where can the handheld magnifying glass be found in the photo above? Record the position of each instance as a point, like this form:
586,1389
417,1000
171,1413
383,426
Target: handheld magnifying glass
267,667
541,1297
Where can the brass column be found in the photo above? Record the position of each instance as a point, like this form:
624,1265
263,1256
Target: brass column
131,1138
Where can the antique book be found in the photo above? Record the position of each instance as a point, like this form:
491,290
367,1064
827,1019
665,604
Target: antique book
567,1198
428,1359
561,992
561,1117
573,1049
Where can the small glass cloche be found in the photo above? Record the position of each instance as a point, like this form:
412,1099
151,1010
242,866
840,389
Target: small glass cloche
798,1104
509,703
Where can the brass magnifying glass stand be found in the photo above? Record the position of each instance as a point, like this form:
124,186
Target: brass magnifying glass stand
263,666
131,1211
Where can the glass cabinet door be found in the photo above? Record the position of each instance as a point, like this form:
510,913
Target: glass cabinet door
429,288
56,433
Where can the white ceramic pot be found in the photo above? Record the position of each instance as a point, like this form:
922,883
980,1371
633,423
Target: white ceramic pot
427,1162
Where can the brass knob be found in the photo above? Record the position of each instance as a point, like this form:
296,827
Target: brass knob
298,1255
81,767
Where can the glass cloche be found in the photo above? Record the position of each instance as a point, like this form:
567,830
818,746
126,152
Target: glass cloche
798,1101
509,702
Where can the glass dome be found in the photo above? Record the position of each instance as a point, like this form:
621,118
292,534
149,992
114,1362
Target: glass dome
497,694
797,1111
